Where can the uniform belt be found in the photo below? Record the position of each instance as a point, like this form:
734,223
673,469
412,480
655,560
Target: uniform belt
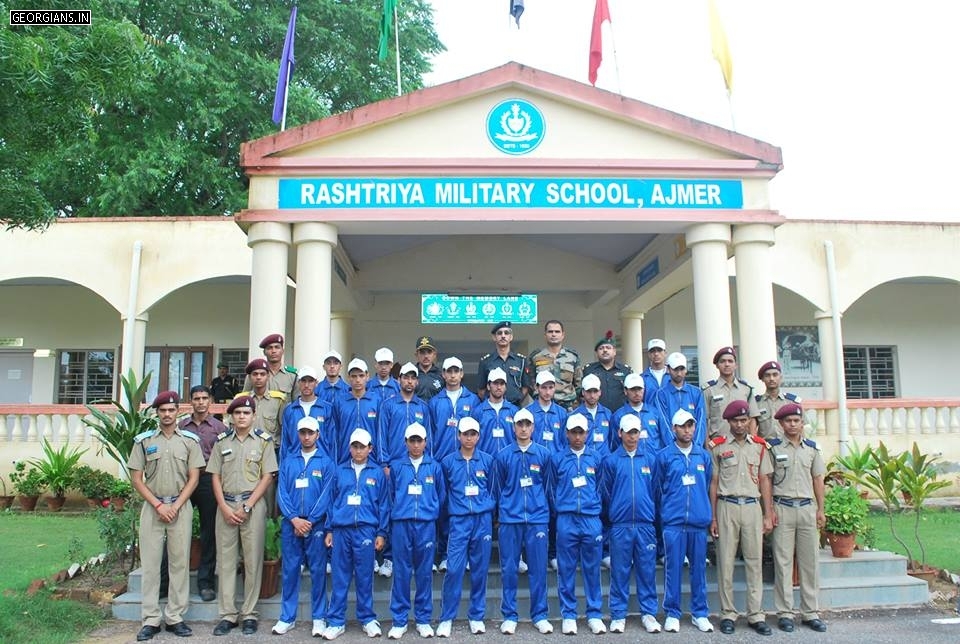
231,498
739,500
791,502
168,499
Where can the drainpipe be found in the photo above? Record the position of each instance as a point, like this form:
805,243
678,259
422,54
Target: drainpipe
129,324
844,428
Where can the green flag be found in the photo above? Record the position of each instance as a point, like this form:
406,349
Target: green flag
386,20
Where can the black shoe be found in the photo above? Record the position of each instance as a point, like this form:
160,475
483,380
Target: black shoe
815,625
180,629
249,627
224,627
207,594
727,627
147,633
785,624
762,628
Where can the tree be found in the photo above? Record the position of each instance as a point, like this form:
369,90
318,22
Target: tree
143,112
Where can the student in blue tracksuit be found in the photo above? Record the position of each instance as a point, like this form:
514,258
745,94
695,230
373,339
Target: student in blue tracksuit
630,505
600,433
332,386
398,413
470,505
677,394
495,415
549,418
382,385
654,431
303,497
574,484
681,480
519,476
356,409
417,490
356,528
308,404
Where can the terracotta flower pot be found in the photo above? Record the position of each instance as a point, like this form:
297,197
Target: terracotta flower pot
5,502
28,503
270,581
195,553
842,545
55,503
118,502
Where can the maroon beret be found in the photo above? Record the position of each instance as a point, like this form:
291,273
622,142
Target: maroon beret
242,401
723,352
736,408
271,339
166,398
790,409
767,366
257,363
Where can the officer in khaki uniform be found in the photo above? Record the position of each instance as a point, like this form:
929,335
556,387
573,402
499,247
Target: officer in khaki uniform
269,402
798,471
280,377
771,400
741,481
721,392
242,462
164,469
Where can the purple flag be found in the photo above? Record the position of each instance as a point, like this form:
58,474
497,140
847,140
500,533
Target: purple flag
286,67
516,10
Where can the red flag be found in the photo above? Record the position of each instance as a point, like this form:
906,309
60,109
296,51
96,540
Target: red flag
600,13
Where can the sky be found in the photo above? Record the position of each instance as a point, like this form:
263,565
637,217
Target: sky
862,97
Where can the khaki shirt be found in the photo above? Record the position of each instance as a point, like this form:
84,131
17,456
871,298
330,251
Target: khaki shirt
738,466
795,467
282,381
269,407
241,462
767,426
717,395
565,367
165,462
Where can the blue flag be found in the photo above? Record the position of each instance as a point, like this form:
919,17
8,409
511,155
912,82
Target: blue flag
516,10
286,68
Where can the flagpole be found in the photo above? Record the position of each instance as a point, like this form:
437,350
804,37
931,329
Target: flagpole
286,92
396,42
733,122
616,65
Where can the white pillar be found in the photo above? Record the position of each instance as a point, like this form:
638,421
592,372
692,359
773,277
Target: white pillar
832,372
631,332
270,242
755,313
341,336
311,326
133,355
711,292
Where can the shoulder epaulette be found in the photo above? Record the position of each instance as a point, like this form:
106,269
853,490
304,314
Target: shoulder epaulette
144,435
792,398
190,434
710,383
264,435
225,434
243,393
758,397
774,441
624,367
714,442
520,355
290,369
273,393
759,440
573,351
587,366
809,442
485,356
744,382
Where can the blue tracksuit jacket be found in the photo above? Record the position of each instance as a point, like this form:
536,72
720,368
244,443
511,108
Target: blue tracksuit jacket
670,399
353,413
602,432
550,426
292,413
445,419
658,431
496,427
396,414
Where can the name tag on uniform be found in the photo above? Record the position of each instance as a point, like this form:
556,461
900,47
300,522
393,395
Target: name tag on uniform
579,481
415,489
152,449
498,433
301,483
598,437
471,489
548,436
226,452
689,479
717,399
526,481
353,499
782,458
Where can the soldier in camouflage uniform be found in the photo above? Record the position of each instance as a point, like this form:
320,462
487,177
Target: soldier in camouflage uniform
563,362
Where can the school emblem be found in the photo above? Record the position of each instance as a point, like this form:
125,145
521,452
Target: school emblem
515,126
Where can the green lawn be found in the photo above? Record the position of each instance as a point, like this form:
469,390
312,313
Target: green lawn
938,530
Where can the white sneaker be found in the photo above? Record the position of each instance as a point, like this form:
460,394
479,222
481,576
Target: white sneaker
443,565
329,568
671,625
386,568
477,626
650,623
596,625
703,624
522,567
553,564
569,627
372,629
396,632
282,627
376,567
319,626
544,626
424,630
333,632
508,627
620,625
605,563
443,628
435,569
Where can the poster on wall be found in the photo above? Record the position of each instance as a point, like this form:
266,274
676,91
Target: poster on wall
798,350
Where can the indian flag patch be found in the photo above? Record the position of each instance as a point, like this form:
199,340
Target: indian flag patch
481,474
317,473
591,470
371,481
700,467
428,480
534,467
644,469
418,415
371,414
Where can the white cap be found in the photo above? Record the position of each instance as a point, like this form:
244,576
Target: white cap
452,361
383,354
467,423
682,417
360,436
408,367
633,380
308,422
306,371
656,343
630,422
577,420
357,363
497,374
523,414
332,354
545,376
676,359
416,429
590,381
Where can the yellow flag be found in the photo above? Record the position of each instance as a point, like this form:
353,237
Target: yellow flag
718,43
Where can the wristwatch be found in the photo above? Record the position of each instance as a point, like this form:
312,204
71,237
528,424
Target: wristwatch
247,508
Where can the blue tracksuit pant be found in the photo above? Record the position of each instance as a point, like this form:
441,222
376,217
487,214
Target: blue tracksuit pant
579,541
633,548
353,556
413,550
679,542
307,550
531,539
471,537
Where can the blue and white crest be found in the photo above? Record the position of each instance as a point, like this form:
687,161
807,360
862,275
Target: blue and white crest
515,126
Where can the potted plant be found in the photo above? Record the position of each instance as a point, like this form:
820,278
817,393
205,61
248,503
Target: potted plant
93,484
58,468
121,491
852,466
846,512
917,476
116,430
28,484
6,500
270,579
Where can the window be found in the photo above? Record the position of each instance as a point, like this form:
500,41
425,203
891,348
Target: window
693,365
176,369
85,376
871,372
236,361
